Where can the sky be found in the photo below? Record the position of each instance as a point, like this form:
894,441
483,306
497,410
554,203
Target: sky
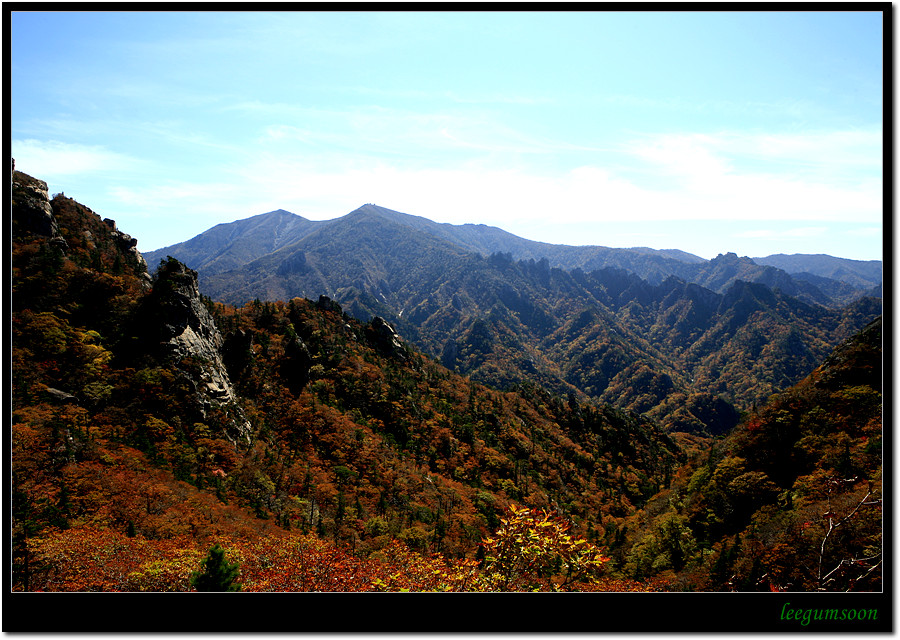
711,132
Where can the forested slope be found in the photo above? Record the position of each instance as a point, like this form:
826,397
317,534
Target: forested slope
144,411
150,422
791,500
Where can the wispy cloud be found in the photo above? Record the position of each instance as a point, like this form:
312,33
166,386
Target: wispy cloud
166,211
303,162
56,158
499,98
831,150
832,175
800,110
443,96
427,136
181,194
866,232
842,150
686,177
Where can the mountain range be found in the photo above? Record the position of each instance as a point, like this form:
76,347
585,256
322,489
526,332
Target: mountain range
816,278
687,341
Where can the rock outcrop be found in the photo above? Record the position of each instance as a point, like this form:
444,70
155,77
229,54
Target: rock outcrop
327,304
386,339
127,245
186,336
297,363
36,214
32,211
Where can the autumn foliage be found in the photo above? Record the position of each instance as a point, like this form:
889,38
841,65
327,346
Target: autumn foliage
368,466
530,552
534,550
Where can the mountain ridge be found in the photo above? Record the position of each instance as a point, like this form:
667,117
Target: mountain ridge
654,265
723,333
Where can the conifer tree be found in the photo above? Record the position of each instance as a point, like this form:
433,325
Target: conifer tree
216,574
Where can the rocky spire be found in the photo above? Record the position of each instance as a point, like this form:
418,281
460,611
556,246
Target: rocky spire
127,245
185,330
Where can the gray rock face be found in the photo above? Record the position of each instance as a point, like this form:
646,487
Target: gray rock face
33,213
188,336
327,304
60,397
237,352
386,338
128,246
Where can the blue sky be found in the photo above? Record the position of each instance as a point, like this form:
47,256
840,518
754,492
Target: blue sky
752,132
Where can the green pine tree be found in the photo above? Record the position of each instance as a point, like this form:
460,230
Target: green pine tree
215,573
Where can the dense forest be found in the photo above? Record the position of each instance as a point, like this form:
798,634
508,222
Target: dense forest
162,441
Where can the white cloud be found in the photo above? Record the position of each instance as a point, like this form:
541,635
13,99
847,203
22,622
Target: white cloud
691,157
867,232
472,168
173,195
492,174
423,137
811,176
49,159
702,183
850,155
458,195
835,149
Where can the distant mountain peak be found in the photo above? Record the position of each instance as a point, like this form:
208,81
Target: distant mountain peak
370,207
378,211
277,213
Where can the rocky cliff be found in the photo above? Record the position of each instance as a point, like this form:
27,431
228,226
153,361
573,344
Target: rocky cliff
33,213
79,268
180,330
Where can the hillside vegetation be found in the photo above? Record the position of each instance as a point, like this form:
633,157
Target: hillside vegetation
124,427
325,452
791,500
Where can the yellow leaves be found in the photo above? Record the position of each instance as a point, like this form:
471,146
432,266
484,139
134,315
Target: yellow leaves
165,574
60,349
45,331
529,547
87,558
94,358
